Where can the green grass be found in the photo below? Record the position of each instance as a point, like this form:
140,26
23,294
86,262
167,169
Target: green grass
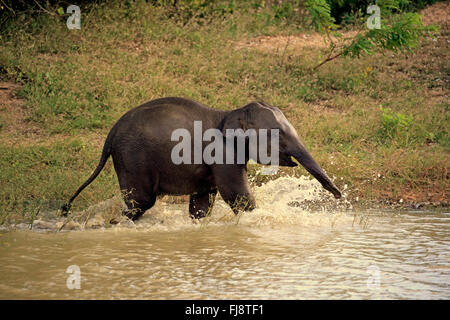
373,122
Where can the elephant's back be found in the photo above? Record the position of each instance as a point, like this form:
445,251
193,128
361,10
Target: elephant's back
169,113
177,102
172,106
141,142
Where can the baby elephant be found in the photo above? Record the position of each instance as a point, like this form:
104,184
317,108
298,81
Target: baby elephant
153,153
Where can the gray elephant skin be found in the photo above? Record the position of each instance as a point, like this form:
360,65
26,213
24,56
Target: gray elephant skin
140,145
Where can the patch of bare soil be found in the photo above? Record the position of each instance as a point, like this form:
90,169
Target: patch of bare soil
289,43
16,129
438,13
14,126
435,14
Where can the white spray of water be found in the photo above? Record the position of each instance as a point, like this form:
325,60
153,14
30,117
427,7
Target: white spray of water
285,201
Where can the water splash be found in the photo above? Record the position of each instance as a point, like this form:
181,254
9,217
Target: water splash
287,200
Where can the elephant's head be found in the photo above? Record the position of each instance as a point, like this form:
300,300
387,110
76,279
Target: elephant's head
259,115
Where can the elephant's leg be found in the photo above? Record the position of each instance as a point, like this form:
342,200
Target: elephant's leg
137,194
200,204
231,180
137,203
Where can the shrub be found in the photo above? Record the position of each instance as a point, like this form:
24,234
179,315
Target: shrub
393,124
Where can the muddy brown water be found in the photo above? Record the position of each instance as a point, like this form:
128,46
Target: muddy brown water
279,251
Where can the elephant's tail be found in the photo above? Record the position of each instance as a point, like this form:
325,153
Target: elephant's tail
105,155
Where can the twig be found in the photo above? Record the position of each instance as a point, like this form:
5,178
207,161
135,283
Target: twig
330,53
3,3
329,58
50,13
333,47
64,224
87,219
285,48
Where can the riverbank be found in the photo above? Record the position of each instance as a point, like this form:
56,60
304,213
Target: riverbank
378,124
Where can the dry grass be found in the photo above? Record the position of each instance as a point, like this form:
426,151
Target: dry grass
13,117
437,14
291,44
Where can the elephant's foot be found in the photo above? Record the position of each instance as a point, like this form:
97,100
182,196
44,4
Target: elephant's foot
198,215
132,214
200,204
137,203
242,203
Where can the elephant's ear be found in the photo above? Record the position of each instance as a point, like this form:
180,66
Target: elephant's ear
236,119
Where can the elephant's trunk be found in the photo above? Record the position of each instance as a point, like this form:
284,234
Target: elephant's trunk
307,161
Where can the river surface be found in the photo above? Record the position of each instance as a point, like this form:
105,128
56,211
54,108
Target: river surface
281,250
